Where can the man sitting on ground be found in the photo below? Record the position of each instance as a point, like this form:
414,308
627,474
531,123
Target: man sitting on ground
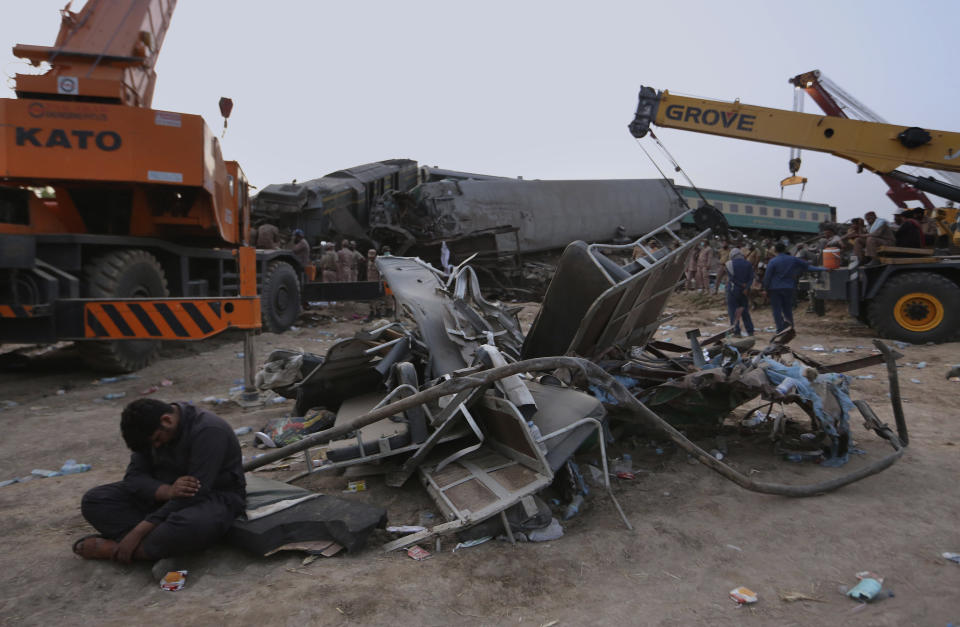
182,491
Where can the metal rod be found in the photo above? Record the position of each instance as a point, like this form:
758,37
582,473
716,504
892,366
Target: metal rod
249,367
506,526
891,356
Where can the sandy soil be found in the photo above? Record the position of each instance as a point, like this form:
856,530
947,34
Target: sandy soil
696,535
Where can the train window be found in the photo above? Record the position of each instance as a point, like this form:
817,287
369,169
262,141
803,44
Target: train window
763,211
789,213
748,208
803,215
776,212
734,207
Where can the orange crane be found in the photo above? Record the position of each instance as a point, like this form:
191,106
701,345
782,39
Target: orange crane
121,225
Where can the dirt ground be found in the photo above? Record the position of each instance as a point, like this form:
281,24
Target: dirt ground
696,537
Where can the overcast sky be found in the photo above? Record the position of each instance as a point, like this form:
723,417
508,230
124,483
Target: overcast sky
534,88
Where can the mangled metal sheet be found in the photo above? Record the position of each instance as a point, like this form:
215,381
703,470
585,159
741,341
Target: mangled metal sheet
509,466
593,303
451,321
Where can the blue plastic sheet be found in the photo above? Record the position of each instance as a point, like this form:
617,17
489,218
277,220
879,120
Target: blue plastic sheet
837,384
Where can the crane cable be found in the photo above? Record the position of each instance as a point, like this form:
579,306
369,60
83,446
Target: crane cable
676,168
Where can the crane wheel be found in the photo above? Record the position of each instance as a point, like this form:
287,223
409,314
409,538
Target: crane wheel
917,307
129,273
279,297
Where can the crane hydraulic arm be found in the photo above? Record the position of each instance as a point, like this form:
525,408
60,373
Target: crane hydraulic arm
880,148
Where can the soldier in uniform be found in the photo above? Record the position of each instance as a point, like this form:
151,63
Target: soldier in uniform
328,264
373,274
690,272
723,256
753,255
704,262
346,264
359,262
268,236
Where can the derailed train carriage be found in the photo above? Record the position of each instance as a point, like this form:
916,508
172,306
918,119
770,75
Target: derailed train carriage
336,205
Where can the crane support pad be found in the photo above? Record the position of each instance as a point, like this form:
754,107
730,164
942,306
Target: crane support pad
161,318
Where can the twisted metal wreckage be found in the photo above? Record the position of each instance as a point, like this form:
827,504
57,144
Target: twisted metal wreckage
489,417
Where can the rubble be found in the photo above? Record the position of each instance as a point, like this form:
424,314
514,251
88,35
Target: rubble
487,418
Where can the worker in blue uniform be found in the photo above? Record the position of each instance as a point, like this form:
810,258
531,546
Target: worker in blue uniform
780,283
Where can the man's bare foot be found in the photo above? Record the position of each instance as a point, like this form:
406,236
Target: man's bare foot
94,547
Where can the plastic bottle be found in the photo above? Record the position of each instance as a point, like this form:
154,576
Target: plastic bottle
71,467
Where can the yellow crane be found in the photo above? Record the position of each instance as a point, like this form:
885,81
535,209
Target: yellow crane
912,299
880,148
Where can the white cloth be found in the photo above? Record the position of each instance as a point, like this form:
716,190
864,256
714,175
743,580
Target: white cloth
878,224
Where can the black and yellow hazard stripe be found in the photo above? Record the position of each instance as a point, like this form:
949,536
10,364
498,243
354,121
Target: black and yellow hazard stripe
165,320
16,311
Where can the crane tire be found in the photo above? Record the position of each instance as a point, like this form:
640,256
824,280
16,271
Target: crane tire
123,273
279,297
917,307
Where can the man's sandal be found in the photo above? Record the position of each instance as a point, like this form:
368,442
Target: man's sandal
79,543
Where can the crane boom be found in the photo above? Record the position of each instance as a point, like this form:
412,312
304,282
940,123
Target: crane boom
880,148
836,102
104,53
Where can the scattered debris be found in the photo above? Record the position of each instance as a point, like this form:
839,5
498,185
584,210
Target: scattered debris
471,543
356,486
405,529
418,553
174,580
71,467
867,589
743,595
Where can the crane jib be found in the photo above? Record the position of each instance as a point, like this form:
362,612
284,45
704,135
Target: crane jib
711,117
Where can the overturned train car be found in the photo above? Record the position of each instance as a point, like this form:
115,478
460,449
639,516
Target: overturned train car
336,205
502,218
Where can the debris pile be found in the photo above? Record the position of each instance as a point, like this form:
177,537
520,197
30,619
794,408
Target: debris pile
453,392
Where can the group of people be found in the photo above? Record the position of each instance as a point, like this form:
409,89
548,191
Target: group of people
911,228
333,265
742,270
346,264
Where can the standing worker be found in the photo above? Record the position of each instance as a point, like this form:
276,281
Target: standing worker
346,264
753,255
359,262
704,261
328,264
268,236
373,274
780,282
301,251
690,272
739,280
723,256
